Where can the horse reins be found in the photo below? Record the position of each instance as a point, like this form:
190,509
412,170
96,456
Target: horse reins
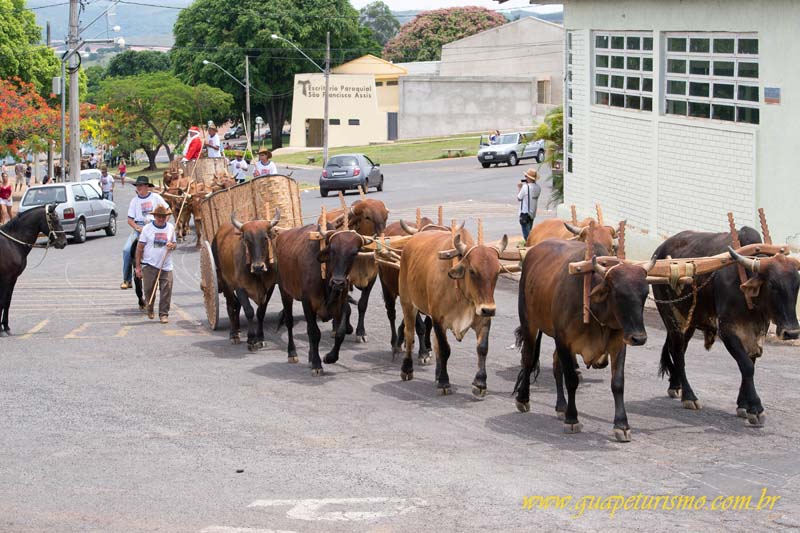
51,233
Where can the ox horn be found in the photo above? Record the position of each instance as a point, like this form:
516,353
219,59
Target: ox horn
276,218
502,246
597,267
366,241
458,245
746,262
649,266
323,232
575,230
236,224
408,229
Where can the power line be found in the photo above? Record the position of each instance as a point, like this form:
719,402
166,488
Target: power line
48,5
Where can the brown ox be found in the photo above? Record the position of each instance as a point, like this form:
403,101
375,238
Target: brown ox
554,228
222,181
456,297
300,278
244,273
551,302
368,218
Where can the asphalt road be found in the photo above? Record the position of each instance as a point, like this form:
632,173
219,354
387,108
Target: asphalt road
112,422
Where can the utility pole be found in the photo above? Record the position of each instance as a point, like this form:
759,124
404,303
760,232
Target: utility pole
50,142
63,176
327,81
74,105
247,101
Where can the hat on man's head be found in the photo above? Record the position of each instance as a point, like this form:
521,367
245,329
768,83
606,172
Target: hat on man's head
161,210
531,174
194,129
211,125
265,151
143,180
238,153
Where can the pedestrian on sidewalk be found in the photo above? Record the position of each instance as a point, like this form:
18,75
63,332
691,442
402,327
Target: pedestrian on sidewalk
106,183
6,201
528,192
19,176
154,261
28,174
123,171
140,213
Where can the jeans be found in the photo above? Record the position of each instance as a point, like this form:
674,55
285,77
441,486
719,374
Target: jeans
526,229
108,195
127,257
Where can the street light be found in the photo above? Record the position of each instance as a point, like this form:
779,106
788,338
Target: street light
246,85
327,72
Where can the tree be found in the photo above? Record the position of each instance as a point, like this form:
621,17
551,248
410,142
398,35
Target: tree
164,105
131,63
120,130
379,18
206,30
26,121
21,55
94,75
423,37
552,131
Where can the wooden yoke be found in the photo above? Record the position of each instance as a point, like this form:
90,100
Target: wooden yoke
574,213
621,240
323,266
345,211
361,193
419,217
735,244
480,232
764,228
441,216
587,277
599,214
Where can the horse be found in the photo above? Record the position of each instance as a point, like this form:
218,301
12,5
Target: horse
17,237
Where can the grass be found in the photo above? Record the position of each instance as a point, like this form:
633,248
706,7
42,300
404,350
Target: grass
398,152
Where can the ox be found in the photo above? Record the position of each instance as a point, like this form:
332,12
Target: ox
244,273
721,309
456,297
368,218
551,302
300,278
554,228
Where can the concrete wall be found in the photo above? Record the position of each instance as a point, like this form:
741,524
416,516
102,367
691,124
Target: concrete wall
447,105
665,173
528,47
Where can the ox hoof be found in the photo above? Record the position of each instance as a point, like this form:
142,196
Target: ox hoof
479,392
523,407
361,339
330,359
235,340
444,391
573,428
425,359
674,393
757,420
3,333
622,435
252,346
407,376
694,405
316,372
561,415
741,412
293,359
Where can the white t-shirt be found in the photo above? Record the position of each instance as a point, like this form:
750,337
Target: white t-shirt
238,169
265,170
529,191
107,182
140,208
155,241
214,139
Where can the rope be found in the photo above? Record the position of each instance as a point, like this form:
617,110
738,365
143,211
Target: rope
695,289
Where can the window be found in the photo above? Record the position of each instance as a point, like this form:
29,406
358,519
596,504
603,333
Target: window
378,84
91,192
333,121
712,75
391,83
623,70
601,81
543,91
353,122
79,194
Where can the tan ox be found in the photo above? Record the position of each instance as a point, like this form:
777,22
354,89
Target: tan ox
554,228
457,297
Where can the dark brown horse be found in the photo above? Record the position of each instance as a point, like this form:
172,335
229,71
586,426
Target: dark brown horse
17,237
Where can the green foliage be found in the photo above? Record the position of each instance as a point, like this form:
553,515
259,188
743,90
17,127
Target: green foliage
21,55
423,37
552,131
94,75
379,18
131,63
206,30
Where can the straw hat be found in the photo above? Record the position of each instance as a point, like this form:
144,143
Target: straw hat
531,174
265,151
161,210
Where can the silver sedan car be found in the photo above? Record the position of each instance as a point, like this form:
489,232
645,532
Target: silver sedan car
350,171
80,208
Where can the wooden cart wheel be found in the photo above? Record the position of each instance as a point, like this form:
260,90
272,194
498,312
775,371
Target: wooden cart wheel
208,284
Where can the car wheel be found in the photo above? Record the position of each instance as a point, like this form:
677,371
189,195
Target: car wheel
540,156
380,187
111,229
512,159
486,165
323,193
80,232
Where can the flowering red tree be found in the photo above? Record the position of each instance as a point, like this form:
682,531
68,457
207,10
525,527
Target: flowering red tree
423,37
26,121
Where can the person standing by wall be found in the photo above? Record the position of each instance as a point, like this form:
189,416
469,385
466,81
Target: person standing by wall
107,183
123,170
154,261
5,199
140,213
528,192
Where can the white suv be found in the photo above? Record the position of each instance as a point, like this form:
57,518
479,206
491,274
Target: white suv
510,148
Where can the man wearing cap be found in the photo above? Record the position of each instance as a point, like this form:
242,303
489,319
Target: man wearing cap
154,261
106,183
528,192
239,167
140,213
213,143
264,166
193,144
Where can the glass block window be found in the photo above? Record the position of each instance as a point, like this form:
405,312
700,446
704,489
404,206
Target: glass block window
712,75
569,101
623,70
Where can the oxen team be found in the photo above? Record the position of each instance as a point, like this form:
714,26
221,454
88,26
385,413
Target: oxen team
446,282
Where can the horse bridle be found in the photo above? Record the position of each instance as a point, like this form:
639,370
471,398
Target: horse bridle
52,234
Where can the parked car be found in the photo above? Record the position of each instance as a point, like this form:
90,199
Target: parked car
80,208
348,171
92,177
510,148
234,133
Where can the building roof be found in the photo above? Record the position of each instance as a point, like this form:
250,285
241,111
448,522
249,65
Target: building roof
524,20
369,64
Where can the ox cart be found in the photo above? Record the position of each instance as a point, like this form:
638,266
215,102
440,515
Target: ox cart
256,199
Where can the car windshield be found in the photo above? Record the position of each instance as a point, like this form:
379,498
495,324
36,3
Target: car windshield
45,195
509,138
342,161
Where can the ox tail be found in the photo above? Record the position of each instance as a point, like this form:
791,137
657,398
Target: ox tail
523,342
665,365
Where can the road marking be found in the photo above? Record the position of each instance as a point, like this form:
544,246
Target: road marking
312,509
123,331
183,314
35,329
226,529
80,329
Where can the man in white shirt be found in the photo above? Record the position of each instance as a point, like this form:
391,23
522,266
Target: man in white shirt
264,166
107,183
239,167
140,213
528,192
153,261
213,143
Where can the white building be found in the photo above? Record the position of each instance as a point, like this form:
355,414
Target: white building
678,111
